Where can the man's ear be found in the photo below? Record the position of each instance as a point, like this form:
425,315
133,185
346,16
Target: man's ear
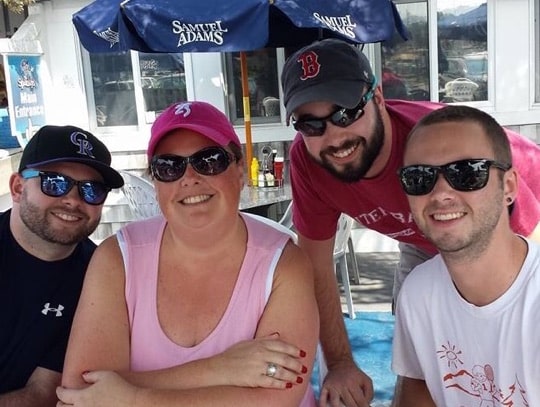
16,186
510,186
378,95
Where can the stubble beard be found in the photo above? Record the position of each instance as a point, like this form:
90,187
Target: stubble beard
466,248
355,171
35,219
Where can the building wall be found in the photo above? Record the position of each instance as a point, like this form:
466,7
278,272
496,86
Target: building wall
511,96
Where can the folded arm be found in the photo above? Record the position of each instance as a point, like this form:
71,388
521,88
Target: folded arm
39,390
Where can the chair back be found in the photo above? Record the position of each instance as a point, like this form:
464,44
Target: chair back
344,227
140,195
460,89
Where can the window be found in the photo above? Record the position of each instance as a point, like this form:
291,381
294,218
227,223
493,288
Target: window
537,50
463,56
263,83
405,64
113,89
113,83
163,80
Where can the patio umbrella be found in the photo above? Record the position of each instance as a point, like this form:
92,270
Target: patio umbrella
174,26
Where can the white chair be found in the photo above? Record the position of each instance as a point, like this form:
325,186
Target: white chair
271,106
140,195
460,90
343,236
343,242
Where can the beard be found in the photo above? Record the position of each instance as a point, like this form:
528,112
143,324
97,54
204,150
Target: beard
35,219
355,171
469,246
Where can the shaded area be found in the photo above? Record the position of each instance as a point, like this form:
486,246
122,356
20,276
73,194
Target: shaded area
374,290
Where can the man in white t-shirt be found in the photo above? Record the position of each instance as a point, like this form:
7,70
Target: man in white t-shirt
467,327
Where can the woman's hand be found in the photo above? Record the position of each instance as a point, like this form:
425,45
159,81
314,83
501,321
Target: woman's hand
106,389
249,363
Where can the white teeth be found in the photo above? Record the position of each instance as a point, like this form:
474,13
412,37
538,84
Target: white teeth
66,217
344,153
195,199
448,216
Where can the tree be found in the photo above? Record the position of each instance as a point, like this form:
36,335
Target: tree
17,6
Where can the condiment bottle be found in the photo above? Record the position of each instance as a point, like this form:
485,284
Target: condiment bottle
254,172
262,179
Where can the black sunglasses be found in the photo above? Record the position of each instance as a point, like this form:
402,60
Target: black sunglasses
208,161
56,185
341,117
462,175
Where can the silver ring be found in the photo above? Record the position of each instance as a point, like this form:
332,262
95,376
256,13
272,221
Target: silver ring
271,369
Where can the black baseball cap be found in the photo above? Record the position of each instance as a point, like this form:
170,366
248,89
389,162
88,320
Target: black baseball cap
330,70
52,144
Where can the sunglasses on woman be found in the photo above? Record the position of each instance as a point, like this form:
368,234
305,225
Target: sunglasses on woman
208,161
341,117
56,185
462,175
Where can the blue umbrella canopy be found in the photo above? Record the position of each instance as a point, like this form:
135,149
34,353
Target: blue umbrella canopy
176,26
234,25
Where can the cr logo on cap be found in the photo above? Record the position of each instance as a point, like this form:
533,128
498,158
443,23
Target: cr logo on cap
81,140
309,64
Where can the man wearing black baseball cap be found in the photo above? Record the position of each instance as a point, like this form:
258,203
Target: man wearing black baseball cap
58,193
344,159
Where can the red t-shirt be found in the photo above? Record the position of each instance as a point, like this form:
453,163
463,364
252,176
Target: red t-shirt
379,203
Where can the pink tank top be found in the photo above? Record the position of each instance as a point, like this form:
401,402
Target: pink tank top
150,347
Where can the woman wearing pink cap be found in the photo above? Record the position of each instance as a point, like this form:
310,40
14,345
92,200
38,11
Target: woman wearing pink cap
202,306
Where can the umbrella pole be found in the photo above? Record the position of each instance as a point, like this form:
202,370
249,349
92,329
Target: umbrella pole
247,111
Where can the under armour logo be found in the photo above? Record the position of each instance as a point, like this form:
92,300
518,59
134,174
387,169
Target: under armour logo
47,307
81,140
183,109
309,64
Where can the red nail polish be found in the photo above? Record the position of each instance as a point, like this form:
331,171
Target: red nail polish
304,369
302,353
288,385
299,380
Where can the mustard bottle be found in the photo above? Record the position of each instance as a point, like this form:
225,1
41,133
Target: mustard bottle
254,172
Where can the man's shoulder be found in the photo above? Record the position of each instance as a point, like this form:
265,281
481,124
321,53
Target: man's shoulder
426,273
409,112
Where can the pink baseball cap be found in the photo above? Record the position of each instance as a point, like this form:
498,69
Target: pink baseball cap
201,117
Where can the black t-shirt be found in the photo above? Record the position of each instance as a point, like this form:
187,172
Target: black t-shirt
37,303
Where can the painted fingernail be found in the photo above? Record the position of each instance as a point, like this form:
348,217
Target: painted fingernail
304,369
288,385
299,380
302,353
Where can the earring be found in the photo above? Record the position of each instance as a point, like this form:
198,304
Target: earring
509,199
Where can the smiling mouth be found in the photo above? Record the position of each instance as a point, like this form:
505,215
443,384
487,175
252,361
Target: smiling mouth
344,152
196,199
448,216
66,217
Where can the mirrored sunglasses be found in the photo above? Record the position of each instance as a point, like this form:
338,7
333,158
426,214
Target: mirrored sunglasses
341,117
56,185
462,175
208,161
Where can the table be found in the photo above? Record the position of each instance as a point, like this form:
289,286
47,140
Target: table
270,202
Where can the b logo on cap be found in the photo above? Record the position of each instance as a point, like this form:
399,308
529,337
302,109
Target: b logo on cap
183,109
309,64
81,140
